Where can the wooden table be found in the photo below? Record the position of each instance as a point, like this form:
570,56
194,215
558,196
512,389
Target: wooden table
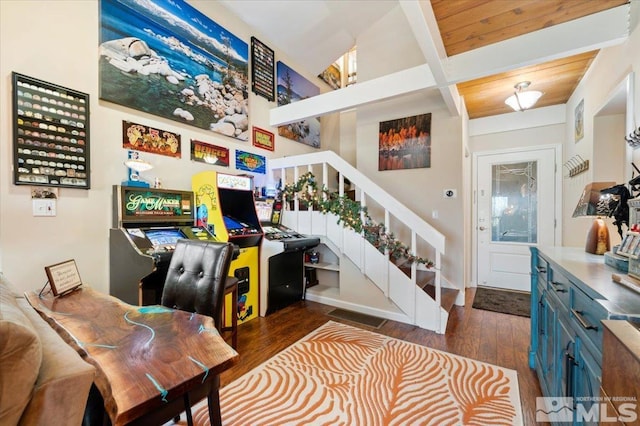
147,357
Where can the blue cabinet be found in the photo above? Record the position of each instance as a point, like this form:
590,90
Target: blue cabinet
567,307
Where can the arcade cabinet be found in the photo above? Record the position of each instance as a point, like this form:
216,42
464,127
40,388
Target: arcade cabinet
225,206
147,223
282,275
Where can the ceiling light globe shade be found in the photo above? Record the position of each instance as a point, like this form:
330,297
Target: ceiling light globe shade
520,101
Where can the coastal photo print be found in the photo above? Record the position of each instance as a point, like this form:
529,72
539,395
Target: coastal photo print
166,58
292,87
405,143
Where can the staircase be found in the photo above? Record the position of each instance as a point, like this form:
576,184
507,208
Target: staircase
370,281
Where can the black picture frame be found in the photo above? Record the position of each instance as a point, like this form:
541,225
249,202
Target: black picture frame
262,70
50,134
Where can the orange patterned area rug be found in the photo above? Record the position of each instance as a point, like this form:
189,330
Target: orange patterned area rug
342,375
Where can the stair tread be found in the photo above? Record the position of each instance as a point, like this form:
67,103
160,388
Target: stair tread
423,278
447,295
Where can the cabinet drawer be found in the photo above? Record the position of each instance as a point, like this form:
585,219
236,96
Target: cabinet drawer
559,285
586,315
542,268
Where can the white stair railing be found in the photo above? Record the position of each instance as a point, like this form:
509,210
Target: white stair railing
387,279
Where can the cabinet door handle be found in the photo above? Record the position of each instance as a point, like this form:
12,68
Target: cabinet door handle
569,363
558,287
582,321
541,269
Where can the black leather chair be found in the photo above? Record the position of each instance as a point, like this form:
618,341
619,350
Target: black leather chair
196,281
197,276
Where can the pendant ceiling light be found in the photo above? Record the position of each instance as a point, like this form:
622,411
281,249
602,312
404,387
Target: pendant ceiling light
523,99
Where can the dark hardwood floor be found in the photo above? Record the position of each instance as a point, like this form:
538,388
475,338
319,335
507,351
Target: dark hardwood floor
491,337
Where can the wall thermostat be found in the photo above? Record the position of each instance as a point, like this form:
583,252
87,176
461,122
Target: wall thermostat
449,193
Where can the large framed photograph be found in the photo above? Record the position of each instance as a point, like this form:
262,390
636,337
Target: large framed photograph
63,277
405,143
293,87
166,58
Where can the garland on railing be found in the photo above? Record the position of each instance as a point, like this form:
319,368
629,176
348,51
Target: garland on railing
351,214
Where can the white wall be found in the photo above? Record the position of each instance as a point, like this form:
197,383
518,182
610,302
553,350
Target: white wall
419,189
608,71
57,41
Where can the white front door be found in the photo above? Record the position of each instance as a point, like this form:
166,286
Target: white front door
515,210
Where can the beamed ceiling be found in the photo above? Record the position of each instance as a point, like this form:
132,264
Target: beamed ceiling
478,49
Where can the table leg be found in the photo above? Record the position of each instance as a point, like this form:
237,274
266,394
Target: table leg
213,399
187,409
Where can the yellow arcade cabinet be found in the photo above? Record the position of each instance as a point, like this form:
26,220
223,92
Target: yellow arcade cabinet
224,205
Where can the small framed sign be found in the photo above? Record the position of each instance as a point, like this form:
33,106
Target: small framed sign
63,277
263,139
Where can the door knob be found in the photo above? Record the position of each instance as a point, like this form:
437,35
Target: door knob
482,228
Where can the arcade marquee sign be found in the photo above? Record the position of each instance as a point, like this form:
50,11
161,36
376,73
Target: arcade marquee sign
147,203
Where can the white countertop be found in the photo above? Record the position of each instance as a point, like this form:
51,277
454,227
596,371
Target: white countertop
595,275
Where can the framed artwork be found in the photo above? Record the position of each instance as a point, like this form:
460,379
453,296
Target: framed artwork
633,246
250,162
332,76
579,121
148,139
50,134
405,143
628,241
263,139
292,87
63,277
635,252
166,58
262,70
210,154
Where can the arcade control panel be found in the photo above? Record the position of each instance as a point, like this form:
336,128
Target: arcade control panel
272,233
291,240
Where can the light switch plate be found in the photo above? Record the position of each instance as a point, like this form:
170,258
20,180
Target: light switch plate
44,207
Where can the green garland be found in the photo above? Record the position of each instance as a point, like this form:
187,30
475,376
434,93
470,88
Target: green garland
351,214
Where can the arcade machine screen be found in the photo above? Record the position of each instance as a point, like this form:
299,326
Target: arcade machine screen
264,210
233,225
164,237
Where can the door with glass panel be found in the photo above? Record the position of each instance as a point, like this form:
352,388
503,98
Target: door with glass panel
515,200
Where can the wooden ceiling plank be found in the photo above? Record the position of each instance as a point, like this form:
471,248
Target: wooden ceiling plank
474,25
599,30
445,8
570,63
542,14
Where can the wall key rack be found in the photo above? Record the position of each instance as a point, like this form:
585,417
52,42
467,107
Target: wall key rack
576,165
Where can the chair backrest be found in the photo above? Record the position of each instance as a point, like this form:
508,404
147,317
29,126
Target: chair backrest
196,277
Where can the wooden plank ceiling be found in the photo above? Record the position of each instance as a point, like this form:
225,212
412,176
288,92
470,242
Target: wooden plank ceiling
469,24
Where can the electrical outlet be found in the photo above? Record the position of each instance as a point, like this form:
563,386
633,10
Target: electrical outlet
449,193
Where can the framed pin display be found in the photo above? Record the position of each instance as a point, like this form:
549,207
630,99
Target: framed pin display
50,134
262,70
